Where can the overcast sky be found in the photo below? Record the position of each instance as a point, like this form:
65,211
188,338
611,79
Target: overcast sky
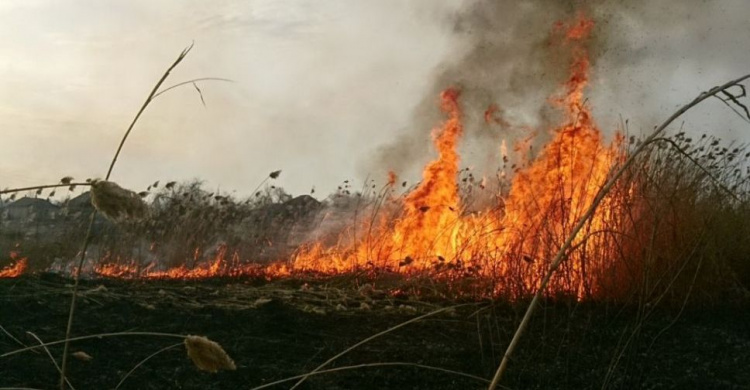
319,86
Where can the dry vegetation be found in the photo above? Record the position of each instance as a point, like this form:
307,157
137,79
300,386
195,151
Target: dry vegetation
679,238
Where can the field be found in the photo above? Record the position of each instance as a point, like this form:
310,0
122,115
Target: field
596,261
283,329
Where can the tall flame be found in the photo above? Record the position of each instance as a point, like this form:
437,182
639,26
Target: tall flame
512,243
550,196
432,208
432,232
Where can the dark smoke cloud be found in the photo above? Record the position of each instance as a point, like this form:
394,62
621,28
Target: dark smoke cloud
504,57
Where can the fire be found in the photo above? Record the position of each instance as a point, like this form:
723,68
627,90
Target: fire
431,232
509,244
15,269
430,213
549,197
221,265
432,208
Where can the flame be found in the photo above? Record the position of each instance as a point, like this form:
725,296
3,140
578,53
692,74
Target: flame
430,231
221,265
511,243
430,212
550,196
432,208
15,270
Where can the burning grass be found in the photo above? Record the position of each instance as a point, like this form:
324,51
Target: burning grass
678,209
511,241
670,223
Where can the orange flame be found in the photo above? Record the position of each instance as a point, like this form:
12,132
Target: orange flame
15,270
429,211
221,265
433,206
550,196
512,243
508,246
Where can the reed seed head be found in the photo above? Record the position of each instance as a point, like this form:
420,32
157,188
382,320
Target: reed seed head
208,355
115,202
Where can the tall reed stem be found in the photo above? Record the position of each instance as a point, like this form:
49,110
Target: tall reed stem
87,238
561,254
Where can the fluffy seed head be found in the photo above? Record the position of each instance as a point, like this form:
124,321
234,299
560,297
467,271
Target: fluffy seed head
208,355
115,202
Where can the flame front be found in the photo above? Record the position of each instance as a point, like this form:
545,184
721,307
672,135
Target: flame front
427,226
510,244
507,246
549,197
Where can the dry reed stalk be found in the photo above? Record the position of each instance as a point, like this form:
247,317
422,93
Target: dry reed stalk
87,238
603,191
49,354
90,337
375,365
142,362
389,330
41,187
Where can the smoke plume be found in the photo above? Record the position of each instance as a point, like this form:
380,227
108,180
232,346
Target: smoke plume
504,60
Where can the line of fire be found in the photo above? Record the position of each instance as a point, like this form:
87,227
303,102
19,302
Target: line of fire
472,236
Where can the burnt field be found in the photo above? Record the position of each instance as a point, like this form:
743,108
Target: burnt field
538,247
277,330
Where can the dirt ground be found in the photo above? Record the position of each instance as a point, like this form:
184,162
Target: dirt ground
278,330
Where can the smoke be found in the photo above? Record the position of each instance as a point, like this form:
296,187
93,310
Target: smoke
647,57
331,90
316,85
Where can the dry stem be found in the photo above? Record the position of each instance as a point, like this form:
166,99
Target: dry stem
41,187
147,358
49,354
77,274
368,365
389,330
560,256
94,336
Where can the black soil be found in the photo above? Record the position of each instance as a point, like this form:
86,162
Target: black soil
283,329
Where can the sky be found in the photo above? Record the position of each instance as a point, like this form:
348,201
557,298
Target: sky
325,90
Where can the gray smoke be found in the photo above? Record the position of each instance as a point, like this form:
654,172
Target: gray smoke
647,57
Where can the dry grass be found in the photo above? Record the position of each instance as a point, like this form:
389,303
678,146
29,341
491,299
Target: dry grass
681,231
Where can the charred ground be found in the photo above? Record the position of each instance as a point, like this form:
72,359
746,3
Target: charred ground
275,330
